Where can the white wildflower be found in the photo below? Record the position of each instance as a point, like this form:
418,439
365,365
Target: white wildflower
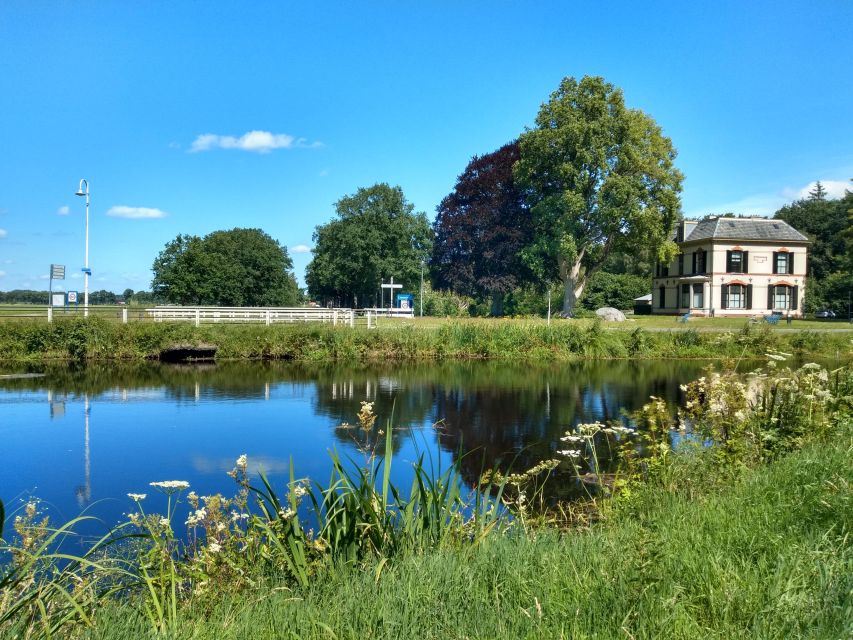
137,497
164,522
214,547
170,486
286,514
570,453
242,462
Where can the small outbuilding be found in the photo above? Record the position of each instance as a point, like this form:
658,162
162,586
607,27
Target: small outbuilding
643,305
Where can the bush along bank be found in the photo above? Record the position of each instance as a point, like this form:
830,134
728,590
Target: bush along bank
98,339
733,522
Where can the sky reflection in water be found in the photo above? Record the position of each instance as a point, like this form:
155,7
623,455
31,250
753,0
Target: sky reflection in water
88,436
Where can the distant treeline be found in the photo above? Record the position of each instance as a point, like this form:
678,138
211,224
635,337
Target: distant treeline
128,296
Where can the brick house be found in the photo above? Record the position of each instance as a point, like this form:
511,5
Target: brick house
733,267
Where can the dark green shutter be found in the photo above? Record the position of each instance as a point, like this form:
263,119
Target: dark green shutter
728,261
790,264
749,296
693,271
794,295
775,262
724,293
681,264
705,261
745,261
770,297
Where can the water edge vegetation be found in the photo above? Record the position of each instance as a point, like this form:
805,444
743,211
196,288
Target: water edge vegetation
98,339
749,536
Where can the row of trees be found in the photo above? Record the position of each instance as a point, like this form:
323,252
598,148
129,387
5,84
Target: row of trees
591,181
585,201
101,296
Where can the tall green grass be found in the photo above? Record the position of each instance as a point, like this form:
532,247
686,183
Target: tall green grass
98,339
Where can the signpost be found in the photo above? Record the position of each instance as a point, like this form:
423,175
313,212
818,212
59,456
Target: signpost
391,286
57,272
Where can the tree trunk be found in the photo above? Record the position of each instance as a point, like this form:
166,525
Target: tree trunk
497,304
573,283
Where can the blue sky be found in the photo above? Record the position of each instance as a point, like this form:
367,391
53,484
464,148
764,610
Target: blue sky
154,103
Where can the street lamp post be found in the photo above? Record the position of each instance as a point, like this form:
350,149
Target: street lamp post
86,270
422,289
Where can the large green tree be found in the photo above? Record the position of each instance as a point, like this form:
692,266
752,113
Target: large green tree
376,236
601,180
239,268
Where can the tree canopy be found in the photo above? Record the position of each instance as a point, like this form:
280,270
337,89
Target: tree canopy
375,237
600,179
240,267
481,229
828,224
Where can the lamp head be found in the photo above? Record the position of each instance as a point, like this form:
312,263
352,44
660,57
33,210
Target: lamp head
80,191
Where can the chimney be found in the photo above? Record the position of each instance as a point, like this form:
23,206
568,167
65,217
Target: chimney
685,228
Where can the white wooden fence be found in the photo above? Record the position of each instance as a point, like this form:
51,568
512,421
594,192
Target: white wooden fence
258,315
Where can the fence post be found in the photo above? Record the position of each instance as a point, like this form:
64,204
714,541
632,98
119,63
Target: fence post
352,317
268,317
368,320
335,318
124,315
50,313
197,317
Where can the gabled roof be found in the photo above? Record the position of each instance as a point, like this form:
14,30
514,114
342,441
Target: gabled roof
745,229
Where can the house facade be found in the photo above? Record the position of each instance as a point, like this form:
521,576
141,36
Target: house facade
733,267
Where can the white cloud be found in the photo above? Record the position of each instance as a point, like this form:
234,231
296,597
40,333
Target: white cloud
766,204
63,210
3,233
135,213
834,189
301,248
2,273
257,141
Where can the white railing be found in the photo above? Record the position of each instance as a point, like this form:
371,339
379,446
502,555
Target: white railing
257,315
389,313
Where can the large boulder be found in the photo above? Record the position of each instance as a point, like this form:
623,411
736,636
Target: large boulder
611,314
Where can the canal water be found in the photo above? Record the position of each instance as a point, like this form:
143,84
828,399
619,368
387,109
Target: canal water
83,438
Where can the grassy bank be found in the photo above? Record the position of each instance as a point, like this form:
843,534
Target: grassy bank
98,339
748,537
767,557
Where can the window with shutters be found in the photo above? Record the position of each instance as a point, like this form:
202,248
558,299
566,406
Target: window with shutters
700,262
735,262
781,297
736,298
685,296
782,261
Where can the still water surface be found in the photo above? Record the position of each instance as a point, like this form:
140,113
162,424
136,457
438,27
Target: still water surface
86,437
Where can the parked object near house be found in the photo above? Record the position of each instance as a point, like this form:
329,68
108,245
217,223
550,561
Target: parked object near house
733,267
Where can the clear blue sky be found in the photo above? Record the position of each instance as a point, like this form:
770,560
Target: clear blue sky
151,103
